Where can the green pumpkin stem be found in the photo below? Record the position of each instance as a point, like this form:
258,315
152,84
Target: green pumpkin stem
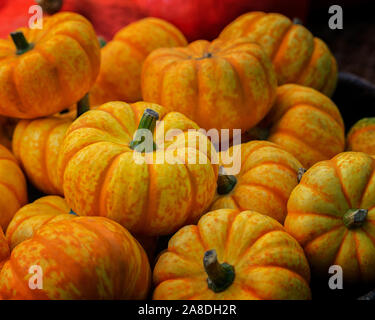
297,20
148,122
83,105
220,276
225,183
355,218
20,42
300,173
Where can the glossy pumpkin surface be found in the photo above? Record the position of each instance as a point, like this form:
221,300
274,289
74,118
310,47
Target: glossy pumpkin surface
101,176
81,258
298,56
33,216
13,193
306,123
318,207
268,263
267,177
59,67
122,59
361,136
223,84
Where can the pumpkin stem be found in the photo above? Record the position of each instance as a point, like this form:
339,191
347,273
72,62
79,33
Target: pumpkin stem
355,218
72,212
297,20
102,41
20,42
148,122
220,276
225,182
83,105
50,6
300,173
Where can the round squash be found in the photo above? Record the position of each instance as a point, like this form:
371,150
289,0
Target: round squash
81,258
13,192
36,145
267,177
102,176
332,215
35,215
361,136
306,123
122,58
232,255
221,85
46,70
298,56
4,250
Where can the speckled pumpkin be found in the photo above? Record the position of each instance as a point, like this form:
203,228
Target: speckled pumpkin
267,177
122,58
222,85
13,193
232,255
81,258
4,250
298,56
48,69
306,123
35,215
361,136
36,145
332,214
102,176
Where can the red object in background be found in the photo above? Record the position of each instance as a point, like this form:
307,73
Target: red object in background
204,19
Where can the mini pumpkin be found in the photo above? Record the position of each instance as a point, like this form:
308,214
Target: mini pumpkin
298,56
232,255
361,136
101,175
306,123
13,192
222,85
122,58
46,70
332,215
267,177
33,216
36,145
81,258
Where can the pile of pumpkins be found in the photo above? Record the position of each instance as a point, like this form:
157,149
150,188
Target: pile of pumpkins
303,200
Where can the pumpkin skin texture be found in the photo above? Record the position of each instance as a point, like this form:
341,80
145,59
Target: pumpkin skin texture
268,173
81,258
306,123
268,263
221,85
58,71
122,58
4,249
13,192
33,216
101,178
36,144
298,56
361,136
317,208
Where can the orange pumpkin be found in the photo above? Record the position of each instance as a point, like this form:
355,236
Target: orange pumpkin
101,174
46,70
232,255
81,258
332,214
306,123
122,58
13,193
267,177
35,215
36,145
298,56
222,85
361,136
4,250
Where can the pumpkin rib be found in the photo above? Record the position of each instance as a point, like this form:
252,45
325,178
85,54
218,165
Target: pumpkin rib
279,42
233,197
266,163
292,135
335,228
20,103
340,247
251,25
330,84
333,165
275,192
261,145
326,215
358,256
12,190
359,131
161,81
372,175
127,41
171,31
251,290
123,127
